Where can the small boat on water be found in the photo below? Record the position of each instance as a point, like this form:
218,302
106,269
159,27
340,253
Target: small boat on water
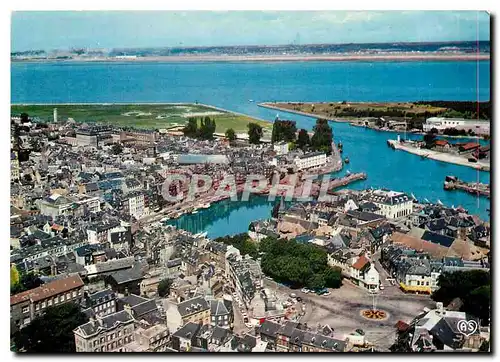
164,219
439,202
346,160
250,100
204,206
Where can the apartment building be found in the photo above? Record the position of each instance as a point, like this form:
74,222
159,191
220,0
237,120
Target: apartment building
105,334
310,160
25,306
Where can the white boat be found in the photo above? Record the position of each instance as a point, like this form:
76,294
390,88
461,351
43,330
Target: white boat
164,219
250,100
195,212
204,206
439,202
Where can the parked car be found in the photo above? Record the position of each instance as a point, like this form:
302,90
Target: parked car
304,290
299,299
293,295
381,287
326,294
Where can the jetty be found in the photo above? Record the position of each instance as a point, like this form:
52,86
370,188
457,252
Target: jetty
454,183
346,180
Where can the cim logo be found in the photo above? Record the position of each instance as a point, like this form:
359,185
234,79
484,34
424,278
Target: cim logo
467,327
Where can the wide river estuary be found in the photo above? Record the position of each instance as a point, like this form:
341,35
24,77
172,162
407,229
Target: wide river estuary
233,85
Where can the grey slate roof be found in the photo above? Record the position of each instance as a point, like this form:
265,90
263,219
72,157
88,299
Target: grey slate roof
193,305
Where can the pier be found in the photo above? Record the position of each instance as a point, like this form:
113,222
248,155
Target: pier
454,183
346,180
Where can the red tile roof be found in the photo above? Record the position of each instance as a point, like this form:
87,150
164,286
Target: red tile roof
361,262
48,290
469,146
441,143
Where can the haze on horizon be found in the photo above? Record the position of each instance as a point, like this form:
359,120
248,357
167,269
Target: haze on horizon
62,30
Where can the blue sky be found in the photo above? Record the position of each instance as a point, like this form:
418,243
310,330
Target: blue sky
108,29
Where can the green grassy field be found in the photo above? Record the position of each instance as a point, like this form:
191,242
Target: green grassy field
152,116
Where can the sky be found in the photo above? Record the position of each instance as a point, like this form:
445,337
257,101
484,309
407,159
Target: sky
127,29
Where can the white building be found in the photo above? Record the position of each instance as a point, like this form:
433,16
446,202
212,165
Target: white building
309,160
391,204
364,274
280,148
440,123
136,205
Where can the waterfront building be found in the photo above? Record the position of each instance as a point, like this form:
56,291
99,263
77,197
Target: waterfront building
310,160
481,127
391,204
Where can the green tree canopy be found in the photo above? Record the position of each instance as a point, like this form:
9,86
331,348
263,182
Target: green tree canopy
323,137
473,287
52,332
303,140
230,134
254,133
164,287
191,128
117,149
207,129
283,131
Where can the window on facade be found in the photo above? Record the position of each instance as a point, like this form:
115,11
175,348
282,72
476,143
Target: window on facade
26,320
74,293
26,309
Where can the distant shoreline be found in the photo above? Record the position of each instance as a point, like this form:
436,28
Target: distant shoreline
407,57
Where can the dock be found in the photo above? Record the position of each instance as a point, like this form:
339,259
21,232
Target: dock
475,188
346,180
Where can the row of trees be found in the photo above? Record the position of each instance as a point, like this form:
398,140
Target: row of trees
204,131
297,264
321,140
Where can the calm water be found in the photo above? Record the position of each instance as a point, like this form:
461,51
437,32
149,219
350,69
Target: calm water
232,85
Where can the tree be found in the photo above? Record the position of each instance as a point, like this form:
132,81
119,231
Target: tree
303,139
191,128
26,282
207,129
25,118
473,287
117,149
164,287
254,133
51,332
322,138
316,281
14,276
333,277
429,139
283,131
230,134
434,130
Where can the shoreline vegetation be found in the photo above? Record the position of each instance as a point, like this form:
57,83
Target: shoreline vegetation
407,116
410,56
